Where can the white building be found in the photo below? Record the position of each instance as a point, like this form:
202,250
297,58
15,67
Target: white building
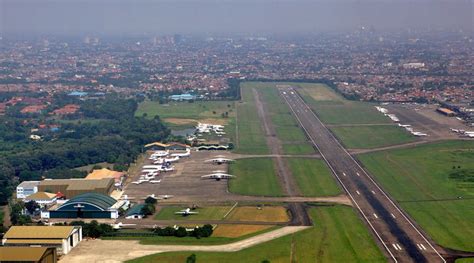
64,238
26,188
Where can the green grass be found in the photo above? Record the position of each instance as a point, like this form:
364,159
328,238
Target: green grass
424,182
340,111
161,240
285,124
313,177
465,260
251,139
254,177
338,236
373,136
205,213
298,148
185,110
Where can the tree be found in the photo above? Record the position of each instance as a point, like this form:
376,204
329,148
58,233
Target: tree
148,209
191,258
150,200
181,232
31,206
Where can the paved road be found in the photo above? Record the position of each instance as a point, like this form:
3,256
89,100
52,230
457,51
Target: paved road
112,251
402,241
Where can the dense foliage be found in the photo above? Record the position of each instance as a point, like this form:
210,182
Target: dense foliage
104,130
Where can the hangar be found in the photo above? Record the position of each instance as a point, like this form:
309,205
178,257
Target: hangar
28,254
88,205
64,238
73,187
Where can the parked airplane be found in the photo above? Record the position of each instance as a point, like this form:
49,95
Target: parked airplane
217,176
158,197
155,181
120,225
419,134
186,212
186,154
160,154
219,160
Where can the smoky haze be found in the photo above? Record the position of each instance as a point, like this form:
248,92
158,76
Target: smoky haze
122,17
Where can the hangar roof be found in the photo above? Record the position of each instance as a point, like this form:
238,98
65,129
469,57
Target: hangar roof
104,202
36,232
22,253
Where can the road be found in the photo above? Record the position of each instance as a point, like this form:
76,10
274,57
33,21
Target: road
402,241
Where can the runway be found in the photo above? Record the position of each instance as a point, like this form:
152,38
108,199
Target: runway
402,241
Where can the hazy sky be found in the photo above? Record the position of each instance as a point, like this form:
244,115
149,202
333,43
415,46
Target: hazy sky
213,16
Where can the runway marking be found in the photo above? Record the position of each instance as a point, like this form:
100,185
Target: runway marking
372,180
358,174
399,247
419,246
376,215
344,174
395,246
424,248
373,192
339,179
393,215
358,192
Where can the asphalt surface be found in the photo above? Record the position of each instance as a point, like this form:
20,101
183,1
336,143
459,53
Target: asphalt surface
402,241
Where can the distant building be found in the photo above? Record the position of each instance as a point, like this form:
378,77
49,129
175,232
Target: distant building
88,205
26,188
77,94
446,112
182,97
64,238
413,65
28,254
106,173
135,212
158,146
42,198
73,187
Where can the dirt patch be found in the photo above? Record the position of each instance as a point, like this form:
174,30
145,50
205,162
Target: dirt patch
264,214
237,230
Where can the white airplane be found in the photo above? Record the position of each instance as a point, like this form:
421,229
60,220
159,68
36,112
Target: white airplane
158,197
186,212
186,154
120,225
137,182
155,181
419,134
404,125
160,153
217,176
219,160
454,130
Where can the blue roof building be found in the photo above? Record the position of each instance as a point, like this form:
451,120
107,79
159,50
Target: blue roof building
181,97
88,205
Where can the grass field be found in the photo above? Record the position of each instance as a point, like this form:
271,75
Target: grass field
210,213
333,109
313,177
286,126
250,138
254,177
465,260
435,184
373,136
265,214
233,231
182,115
338,236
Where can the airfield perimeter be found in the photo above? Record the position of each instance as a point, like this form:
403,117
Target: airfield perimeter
402,240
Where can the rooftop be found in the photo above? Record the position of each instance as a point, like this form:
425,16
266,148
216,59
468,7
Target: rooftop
38,232
40,196
104,173
22,253
28,184
102,201
136,209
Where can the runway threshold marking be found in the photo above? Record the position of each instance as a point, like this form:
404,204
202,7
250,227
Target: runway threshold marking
392,215
344,174
376,215
358,192
358,174
373,192
424,248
